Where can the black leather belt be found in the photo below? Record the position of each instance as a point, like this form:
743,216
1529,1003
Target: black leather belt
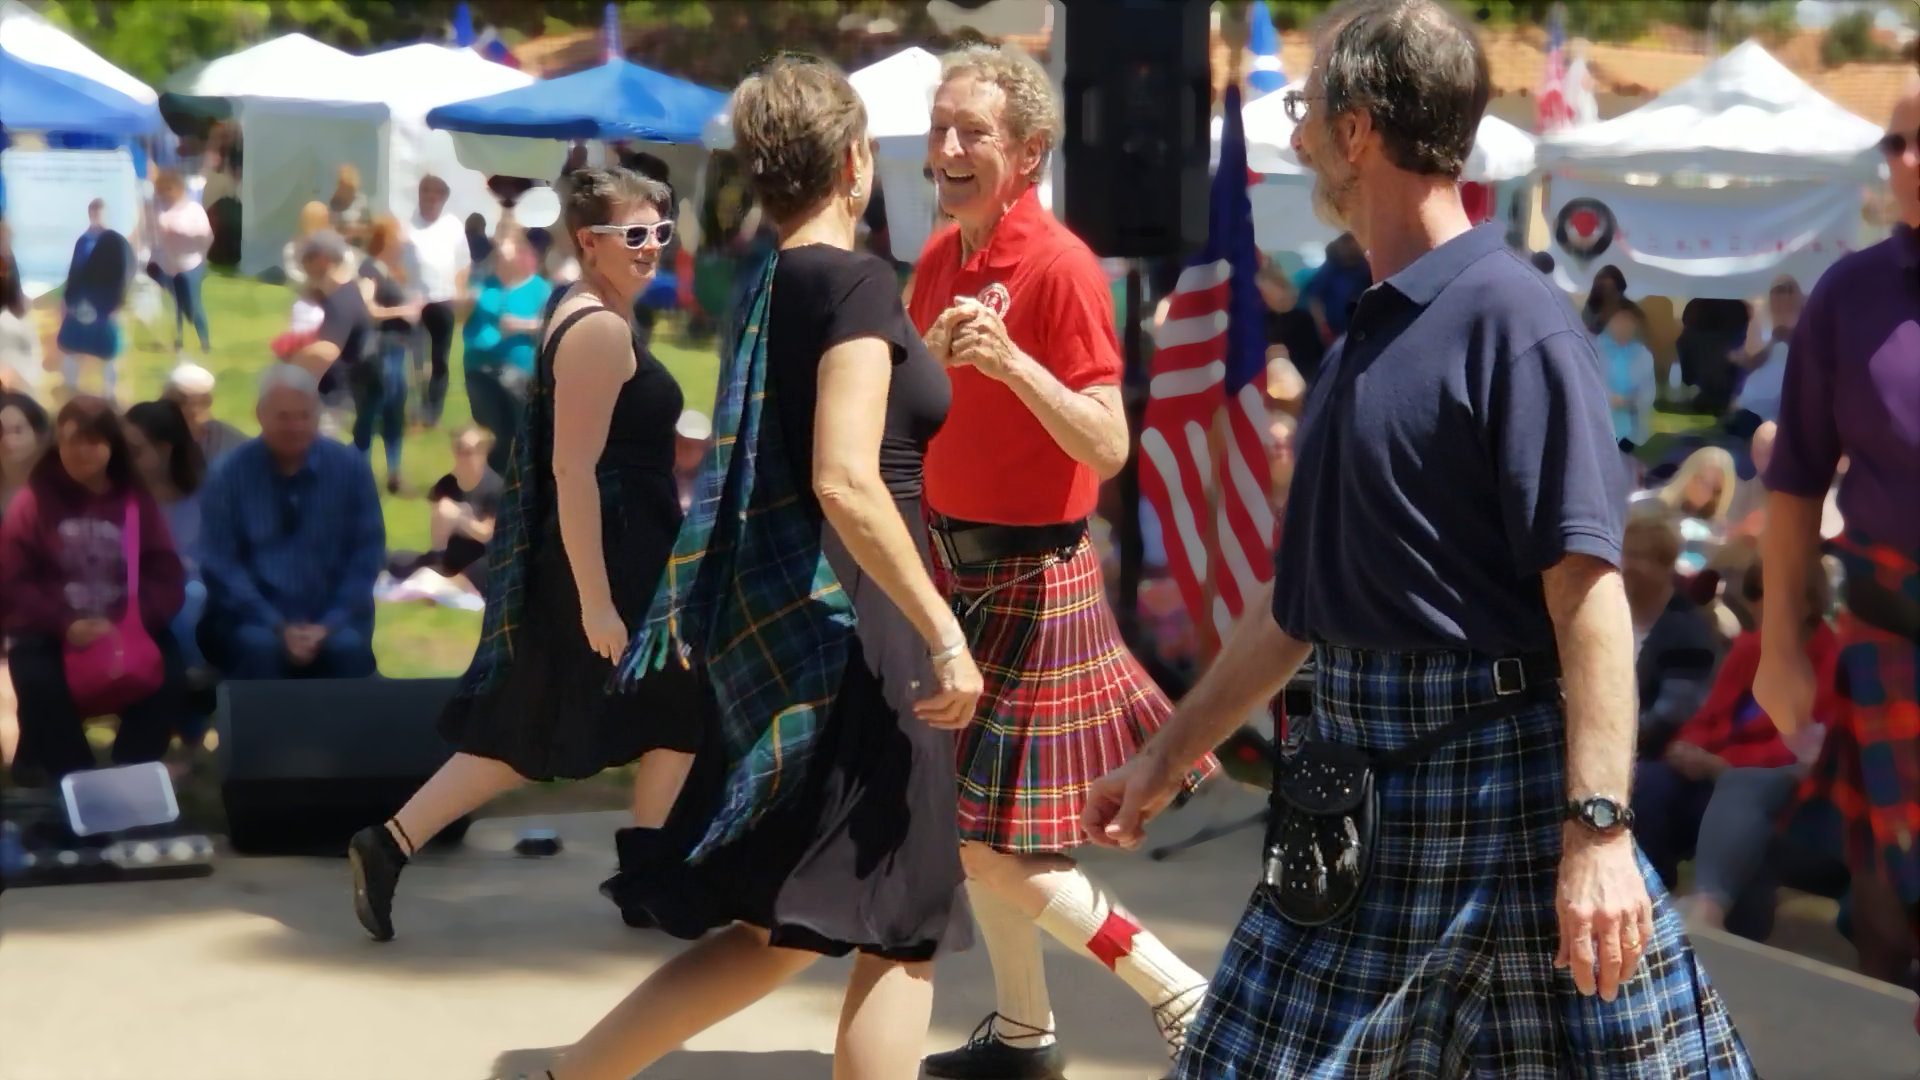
970,543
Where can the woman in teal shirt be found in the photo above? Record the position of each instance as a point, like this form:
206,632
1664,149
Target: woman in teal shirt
502,339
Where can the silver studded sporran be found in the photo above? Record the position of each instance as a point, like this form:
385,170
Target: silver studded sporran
1320,832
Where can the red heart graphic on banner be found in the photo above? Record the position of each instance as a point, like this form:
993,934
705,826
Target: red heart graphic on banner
1585,223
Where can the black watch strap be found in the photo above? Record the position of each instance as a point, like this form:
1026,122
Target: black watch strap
1600,813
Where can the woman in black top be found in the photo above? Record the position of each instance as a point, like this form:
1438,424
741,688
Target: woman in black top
585,526
861,856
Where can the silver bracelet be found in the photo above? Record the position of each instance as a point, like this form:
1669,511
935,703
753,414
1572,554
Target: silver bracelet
948,654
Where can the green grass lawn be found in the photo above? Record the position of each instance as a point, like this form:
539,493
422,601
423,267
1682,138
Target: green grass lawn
410,640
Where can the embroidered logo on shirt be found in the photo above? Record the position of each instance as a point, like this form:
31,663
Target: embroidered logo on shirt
996,298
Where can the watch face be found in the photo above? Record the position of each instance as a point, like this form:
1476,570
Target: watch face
1602,813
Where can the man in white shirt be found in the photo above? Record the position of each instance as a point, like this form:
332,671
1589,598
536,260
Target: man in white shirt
439,242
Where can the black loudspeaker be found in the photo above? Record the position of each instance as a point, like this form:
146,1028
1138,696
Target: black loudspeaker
1138,93
305,763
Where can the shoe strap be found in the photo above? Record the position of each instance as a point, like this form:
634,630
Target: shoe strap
411,848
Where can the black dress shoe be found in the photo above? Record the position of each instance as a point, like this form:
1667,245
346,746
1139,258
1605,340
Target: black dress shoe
619,890
639,853
985,1057
376,860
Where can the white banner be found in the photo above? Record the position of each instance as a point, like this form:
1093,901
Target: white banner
47,196
1699,243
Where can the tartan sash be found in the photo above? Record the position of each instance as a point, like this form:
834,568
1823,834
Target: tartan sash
748,594
524,523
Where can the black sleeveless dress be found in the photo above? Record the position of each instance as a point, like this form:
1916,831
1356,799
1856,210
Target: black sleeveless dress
550,715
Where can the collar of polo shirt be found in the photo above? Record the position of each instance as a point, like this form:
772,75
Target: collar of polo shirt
1422,279
1011,237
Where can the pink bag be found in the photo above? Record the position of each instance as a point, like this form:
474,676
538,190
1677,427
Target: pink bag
122,667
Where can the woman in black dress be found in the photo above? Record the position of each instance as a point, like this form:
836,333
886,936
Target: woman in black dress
836,832
586,525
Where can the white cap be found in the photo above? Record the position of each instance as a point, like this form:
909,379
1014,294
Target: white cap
693,424
191,379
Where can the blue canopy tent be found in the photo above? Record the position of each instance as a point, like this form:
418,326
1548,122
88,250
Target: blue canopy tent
37,98
617,100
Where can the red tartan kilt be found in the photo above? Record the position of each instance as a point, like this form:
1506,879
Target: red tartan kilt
1064,704
1868,773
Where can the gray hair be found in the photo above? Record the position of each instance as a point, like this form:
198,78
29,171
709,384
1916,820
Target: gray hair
282,376
325,244
1419,71
591,197
1032,106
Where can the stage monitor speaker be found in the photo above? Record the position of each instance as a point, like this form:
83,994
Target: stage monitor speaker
1138,92
307,762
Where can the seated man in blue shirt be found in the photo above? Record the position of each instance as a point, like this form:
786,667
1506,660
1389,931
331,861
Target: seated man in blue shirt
292,540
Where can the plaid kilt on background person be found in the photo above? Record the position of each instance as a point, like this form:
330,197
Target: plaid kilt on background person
1064,701
1866,781
1445,969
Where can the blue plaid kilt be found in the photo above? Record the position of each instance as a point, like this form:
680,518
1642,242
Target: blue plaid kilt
1445,970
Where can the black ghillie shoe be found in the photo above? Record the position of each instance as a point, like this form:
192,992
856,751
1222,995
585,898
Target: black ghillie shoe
985,1057
376,861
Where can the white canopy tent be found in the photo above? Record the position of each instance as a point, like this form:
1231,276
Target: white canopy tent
1744,115
1711,190
898,93
32,38
1283,217
1501,151
306,108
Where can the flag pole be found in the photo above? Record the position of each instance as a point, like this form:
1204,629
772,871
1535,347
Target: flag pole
1233,32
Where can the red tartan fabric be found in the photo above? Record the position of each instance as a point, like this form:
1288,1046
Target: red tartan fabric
1869,768
1064,704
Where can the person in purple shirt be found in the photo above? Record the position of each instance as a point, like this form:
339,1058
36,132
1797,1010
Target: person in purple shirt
1852,388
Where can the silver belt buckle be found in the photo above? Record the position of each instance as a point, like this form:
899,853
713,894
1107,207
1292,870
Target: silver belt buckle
1509,676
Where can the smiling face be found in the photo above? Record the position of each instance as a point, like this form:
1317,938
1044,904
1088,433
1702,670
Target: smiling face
628,270
979,168
1325,144
84,455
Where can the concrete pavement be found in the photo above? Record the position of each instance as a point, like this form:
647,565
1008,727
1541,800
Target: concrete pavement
260,973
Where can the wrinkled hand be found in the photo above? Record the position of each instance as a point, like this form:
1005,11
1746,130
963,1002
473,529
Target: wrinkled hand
958,690
84,632
1605,912
939,337
606,634
980,341
1120,804
1784,688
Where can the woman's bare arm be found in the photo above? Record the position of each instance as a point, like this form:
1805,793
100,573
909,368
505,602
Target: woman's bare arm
593,361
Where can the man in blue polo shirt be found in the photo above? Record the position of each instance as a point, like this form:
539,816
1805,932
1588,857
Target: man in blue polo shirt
1451,888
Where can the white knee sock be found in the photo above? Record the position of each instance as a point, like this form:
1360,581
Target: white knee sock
1019,971
1083,917
70,371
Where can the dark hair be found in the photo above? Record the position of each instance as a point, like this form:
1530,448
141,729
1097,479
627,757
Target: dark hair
592,196
1542,261
793,121
1819,589
12,297
96,419
36,417
163,422
1611,273
1419,71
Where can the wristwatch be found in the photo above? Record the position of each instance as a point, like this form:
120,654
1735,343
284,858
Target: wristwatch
1600,813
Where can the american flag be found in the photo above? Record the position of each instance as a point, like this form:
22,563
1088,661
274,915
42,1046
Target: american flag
1553,111
610,33
1210,356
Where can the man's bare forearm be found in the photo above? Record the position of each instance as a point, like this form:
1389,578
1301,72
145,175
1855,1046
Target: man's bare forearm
1255,662
1594,629
1092,430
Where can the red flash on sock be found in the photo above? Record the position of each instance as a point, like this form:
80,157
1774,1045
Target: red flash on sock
1113,942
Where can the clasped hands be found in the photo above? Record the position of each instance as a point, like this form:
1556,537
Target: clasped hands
970,334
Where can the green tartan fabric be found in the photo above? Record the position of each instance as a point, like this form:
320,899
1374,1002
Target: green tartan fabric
525,522
749,595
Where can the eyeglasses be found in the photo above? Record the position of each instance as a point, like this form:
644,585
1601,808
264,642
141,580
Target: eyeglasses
1295,103
638,236
1894,143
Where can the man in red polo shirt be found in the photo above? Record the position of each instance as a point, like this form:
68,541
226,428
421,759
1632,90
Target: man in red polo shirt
1019,309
